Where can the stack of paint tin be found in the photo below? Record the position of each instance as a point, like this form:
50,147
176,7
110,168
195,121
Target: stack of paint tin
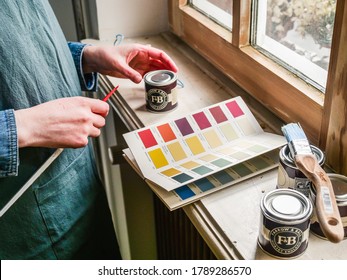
288,212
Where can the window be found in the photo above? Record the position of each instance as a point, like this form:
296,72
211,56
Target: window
217,10
297,34
322,113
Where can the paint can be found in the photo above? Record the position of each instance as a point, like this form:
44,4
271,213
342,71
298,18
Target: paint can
160,86
285,222
289,176
339,183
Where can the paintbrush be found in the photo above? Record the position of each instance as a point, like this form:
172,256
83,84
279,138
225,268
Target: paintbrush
305,160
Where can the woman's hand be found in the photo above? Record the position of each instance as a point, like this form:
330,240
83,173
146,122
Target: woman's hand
65,122
130,61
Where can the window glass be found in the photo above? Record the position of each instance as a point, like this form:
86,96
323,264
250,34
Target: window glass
218,10
298,33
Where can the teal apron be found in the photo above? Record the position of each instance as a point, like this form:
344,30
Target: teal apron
64,214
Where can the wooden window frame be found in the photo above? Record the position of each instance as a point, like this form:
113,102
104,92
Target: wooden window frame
323,116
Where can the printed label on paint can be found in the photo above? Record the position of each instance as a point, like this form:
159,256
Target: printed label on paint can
289,176
328,206
285,220
161,95
339,183
286,240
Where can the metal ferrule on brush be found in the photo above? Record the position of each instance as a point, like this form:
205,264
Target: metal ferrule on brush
300,146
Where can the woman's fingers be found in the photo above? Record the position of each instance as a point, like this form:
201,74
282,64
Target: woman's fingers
161,56
65,122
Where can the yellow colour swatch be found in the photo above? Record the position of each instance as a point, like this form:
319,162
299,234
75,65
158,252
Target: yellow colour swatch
195,145
190,164
212,139
208,157
176,151
158,158
170,172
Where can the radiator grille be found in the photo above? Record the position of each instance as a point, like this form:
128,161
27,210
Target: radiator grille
177,238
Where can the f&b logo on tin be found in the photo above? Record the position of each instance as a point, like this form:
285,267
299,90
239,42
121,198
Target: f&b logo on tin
286,240
157,99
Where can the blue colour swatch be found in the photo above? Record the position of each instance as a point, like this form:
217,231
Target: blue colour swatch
223,177
184,192
204,184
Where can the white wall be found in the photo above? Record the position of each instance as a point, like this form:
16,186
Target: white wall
131,17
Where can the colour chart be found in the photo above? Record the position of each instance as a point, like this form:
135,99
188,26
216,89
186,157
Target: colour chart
225,178
181,151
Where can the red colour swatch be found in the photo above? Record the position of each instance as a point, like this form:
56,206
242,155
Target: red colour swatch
218,114
234,109
147,138
202,120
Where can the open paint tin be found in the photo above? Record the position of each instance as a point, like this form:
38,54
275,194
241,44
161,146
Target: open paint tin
161,95
289,176
285,221
339,183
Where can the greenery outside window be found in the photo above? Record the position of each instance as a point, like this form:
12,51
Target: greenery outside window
297,34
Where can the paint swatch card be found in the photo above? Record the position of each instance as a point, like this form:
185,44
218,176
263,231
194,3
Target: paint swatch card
181,151
225,178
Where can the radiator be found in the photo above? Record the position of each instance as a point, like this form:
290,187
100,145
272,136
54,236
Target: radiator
177,238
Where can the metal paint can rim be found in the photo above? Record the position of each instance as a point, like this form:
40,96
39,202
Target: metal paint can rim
286,206
160,77
340,194
286,157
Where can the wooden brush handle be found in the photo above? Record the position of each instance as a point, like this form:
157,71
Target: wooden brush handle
327,212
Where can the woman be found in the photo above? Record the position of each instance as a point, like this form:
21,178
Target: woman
64,214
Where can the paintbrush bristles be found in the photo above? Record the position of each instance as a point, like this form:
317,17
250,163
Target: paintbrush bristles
293,131
297,140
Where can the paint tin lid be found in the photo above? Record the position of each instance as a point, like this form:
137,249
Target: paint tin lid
160,77
286,206
339,183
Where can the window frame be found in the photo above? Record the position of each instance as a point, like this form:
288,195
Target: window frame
286,95
294,62
214,10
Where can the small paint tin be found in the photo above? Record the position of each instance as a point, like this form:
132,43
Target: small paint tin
289,176
161,95
285,222
339,183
